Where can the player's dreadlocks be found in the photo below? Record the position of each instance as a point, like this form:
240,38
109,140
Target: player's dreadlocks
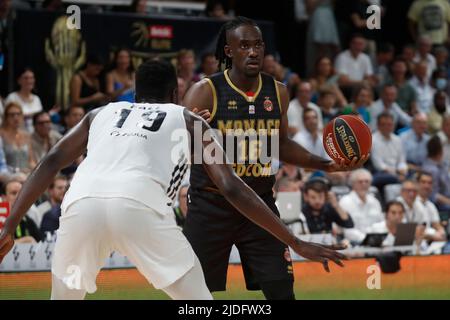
222,39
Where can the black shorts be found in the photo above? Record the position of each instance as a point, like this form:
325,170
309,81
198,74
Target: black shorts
212,227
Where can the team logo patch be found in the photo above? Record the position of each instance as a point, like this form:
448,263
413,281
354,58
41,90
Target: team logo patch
251,109
268,105
232,105
287,255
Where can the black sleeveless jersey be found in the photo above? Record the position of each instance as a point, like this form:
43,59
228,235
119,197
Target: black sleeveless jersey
248,127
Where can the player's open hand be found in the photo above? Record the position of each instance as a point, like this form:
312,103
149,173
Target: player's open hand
320,253
205,114
345,166
6,244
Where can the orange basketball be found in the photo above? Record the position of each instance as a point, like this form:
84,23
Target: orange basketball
346,137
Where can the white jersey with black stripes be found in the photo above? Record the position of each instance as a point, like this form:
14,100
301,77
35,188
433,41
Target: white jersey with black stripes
138,151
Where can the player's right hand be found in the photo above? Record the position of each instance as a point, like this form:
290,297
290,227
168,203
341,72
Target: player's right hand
320,253
6,244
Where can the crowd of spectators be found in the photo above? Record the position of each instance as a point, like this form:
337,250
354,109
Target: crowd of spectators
402,93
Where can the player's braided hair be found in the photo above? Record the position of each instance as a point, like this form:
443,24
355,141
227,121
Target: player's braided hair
224,61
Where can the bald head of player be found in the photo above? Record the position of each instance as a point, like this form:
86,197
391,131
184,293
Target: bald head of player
156,82
241,47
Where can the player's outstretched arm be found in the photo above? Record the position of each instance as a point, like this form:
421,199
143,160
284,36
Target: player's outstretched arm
247,202
293,153
68,149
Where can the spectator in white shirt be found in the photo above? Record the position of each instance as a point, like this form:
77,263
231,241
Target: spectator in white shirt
30,103
433,230
423,53
415,141
424,91
444,135
298,105
388,156
362,206
414,211
353,65
395,212
387,103
311,137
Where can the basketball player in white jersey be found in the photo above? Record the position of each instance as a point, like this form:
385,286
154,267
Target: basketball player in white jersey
121,195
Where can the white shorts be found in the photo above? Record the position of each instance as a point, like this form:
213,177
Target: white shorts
91,228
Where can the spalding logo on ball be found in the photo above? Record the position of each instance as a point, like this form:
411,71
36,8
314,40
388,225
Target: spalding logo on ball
346,137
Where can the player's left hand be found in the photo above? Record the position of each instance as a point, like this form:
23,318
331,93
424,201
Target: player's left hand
320,253
345,166
205,114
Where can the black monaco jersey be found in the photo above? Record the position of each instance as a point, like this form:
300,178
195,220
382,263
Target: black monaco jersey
253,123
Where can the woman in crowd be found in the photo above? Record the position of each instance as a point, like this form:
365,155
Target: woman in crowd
25,98
120,80
325,79
362,100
16,141
85,85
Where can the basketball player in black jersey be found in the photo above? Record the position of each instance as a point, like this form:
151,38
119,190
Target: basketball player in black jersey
239,99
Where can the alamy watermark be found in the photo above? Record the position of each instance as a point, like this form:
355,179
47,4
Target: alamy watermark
374,279
74,17
374,21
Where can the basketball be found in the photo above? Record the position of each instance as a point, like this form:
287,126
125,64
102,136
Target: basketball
346,137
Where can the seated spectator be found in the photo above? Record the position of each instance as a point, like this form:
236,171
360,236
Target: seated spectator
361,101
4,172
298,105
138,6
209,65
439,170
434,230
415,142
85,85
406,95
56,192
25,98
73,116
43,137
387,155
408,197
327,102
120,80
444,135
387,103
16,141
27,231
439,111
285,184
280,73
361,205
421,84
384,56
324,78
395,213
423,53
441,55
311,137
53,5
408,54
215,9
186,67
321,208
354,66
293,173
